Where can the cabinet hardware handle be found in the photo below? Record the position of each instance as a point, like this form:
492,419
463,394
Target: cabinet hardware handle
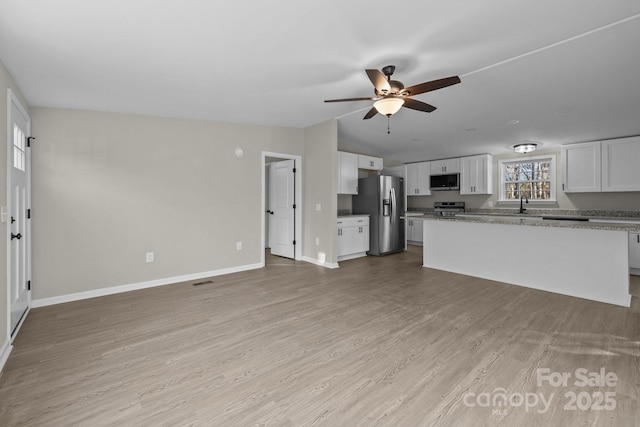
16,236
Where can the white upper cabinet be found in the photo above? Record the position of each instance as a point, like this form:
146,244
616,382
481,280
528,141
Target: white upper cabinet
439,167
581,167
369,162
347,173
621,164
417,181
476,174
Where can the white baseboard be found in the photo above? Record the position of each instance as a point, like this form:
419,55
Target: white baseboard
5,350
43,302
634,271
320,263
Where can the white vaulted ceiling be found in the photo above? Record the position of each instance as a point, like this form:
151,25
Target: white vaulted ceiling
566,70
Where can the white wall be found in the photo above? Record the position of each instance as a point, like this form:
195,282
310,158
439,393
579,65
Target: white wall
107,188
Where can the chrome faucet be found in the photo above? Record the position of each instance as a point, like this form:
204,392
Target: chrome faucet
522,209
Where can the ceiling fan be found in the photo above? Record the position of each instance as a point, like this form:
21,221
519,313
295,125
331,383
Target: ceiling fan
391,95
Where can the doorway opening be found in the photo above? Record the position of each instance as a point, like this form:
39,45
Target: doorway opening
281,231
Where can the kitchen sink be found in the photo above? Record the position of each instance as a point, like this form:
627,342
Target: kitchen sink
565,218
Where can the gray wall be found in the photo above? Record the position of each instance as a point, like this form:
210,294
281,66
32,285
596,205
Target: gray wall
320,173
6,82
107,188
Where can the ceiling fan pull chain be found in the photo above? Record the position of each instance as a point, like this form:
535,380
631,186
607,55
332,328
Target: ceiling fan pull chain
388,120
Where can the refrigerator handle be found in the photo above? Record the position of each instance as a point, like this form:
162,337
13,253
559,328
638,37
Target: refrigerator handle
393,205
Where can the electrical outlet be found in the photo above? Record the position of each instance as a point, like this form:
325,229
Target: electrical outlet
490,203
317,241
150,256
238,246
318,207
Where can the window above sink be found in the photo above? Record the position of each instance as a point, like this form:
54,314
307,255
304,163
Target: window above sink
530,177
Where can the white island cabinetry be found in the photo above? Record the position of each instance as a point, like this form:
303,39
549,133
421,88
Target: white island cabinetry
584,262
634,251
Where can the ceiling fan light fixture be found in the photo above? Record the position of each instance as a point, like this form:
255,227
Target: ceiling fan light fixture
525,148
389,106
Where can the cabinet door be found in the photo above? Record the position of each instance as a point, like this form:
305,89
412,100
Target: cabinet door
634,250
369,162
412,179
581,167
342,242
424,174
417,231
476,174
452,166
620,164
347,240
347,173
361,243
439,167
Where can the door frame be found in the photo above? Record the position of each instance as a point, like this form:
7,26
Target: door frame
13,100
299,204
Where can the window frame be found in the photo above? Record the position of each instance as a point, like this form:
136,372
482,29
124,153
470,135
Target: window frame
526,159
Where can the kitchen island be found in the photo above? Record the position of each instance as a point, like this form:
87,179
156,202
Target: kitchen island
576,258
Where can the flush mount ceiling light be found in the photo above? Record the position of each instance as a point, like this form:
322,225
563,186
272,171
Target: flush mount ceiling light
525,148
389,106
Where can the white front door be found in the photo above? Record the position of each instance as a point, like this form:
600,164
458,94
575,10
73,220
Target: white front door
282,205
19,206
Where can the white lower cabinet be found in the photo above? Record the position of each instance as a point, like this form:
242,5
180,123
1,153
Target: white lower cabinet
353,237
414,231
634,250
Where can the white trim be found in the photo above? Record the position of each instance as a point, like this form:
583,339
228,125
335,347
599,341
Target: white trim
552,178
299,201
320,263
43,302
4,353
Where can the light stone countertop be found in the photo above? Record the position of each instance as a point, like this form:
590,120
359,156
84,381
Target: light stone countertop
537,221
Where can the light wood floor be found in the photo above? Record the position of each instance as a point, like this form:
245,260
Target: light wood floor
380,341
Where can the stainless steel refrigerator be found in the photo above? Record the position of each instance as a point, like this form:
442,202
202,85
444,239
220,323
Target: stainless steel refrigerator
382,198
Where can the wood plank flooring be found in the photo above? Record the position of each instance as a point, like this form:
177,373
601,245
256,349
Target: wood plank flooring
380,341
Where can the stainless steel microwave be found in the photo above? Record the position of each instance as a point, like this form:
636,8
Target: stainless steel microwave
445,182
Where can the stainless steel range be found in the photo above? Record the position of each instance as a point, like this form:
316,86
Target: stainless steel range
448,208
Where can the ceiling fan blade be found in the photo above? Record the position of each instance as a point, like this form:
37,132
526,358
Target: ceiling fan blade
379,80
350,99
370,114
432,85
418,105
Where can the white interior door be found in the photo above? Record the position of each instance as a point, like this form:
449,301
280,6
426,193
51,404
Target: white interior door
19,204
282,208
